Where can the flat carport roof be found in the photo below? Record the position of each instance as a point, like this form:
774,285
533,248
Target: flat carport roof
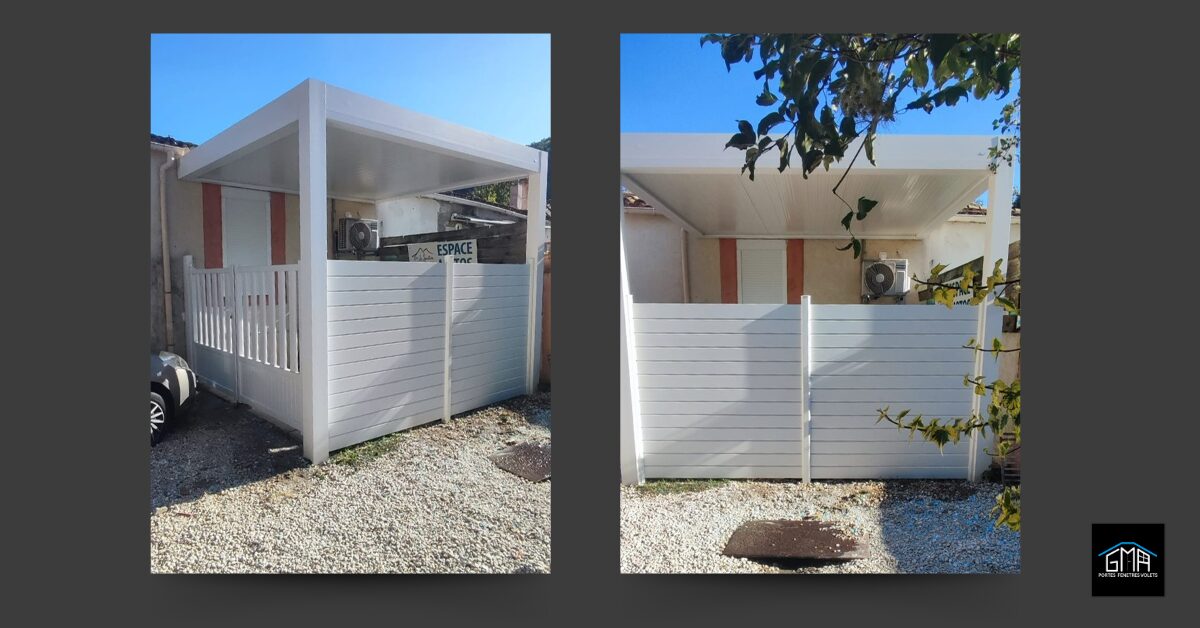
375,150
920,181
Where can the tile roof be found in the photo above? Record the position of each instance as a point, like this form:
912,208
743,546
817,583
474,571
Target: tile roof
167,140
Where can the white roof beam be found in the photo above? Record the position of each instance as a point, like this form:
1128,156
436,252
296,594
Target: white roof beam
274,120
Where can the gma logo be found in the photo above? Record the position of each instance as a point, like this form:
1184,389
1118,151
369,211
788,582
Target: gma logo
1127,557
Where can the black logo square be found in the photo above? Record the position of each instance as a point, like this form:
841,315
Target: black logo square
1128,559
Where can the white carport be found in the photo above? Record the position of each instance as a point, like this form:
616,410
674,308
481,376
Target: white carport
919,181
320,142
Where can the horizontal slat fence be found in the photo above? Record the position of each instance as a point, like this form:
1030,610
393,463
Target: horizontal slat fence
388,350
736,391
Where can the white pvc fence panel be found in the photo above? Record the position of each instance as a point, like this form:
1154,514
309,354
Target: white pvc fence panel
244,336
388,343
490,334
792,391
720,389
865,357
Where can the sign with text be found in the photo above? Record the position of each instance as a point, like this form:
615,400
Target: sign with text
460,250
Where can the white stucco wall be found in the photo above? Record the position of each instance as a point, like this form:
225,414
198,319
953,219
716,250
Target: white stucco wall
404,216
653,252
957,241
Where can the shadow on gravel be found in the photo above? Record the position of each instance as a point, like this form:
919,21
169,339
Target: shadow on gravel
217,446
946,526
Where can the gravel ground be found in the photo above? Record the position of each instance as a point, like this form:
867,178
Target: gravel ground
230,493
908,526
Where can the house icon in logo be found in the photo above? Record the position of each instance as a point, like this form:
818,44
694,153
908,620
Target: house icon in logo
1127,557
422,254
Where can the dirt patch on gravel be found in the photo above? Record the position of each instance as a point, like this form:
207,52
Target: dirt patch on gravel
905,526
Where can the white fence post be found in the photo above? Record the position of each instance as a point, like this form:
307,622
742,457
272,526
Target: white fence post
239,334
805,387
976,373
447,376
633,472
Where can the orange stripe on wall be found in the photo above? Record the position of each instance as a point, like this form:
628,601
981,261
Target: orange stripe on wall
278,229
729,286
795,270
211,202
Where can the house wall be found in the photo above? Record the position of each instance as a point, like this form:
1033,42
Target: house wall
704,269
186,234
832,276
653,244
957,241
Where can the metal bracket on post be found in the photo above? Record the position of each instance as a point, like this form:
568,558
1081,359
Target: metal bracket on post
805,380
447,375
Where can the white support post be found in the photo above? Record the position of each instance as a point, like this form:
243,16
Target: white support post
999,217
447,375
535,255
632,470
314,255
189,319
995,249
805,393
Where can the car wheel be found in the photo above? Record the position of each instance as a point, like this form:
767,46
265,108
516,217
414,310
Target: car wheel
160,413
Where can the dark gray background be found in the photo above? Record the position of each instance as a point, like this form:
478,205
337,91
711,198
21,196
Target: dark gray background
1107,241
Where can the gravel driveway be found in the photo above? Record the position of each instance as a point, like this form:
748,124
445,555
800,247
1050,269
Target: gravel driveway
909,526
230,493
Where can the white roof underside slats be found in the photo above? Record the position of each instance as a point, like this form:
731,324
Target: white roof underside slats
919,181
375,150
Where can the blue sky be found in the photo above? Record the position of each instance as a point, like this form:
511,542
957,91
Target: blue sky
499,84
669,84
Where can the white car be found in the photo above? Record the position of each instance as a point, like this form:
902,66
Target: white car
172,389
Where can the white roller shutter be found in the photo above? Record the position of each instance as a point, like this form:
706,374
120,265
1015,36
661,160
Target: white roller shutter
762,271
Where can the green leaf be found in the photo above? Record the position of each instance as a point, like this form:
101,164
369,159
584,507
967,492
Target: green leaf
951,95
766,98
828,124
846,220
811,160
865,205
847,128
745,128
820,71
741,140
768,122
936,270
939,47
919,70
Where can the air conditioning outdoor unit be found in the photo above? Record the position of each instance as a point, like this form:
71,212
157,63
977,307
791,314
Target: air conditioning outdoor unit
885,278
357,234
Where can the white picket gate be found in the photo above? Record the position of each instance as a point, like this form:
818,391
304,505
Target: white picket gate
244,336
792,391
